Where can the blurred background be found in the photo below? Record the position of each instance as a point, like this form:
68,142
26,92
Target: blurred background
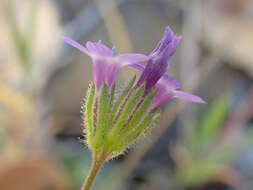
43,82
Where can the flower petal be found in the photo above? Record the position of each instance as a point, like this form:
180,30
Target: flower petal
161,97
166,89
99,72
96,48
188,97
159,59
112,71
105,71
137,66
169,82
75,44
172,47
153,72
132,58
105,65
166,39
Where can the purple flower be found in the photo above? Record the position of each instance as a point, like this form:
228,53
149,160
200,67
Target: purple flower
154,73
106,65
167,88
159,59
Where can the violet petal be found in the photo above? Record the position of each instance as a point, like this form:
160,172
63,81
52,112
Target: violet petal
137,66
130,58
166,39
165,87
188,97
98,49
169,82
75,44
155,68
159,59
99,72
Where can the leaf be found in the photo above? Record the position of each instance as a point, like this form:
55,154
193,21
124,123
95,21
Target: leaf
212,121
200,173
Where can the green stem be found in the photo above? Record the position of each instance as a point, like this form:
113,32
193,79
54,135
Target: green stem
97,162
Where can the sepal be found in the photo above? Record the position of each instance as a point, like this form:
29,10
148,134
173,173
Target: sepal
88,114
103,106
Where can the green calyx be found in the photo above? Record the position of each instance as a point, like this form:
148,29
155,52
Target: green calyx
114,123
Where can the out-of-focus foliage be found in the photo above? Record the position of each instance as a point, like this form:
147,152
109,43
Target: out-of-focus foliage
29,40
29,33
77,166
22,40
207,129
206,154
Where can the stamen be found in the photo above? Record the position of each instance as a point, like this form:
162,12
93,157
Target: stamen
113,49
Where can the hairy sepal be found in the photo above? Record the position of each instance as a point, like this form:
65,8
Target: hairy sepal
89,114
138,115
126,112
115,125
121,100
141,129
102,116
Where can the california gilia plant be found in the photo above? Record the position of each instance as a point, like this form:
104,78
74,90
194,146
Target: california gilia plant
114,123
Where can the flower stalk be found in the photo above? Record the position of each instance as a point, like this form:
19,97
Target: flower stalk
97,162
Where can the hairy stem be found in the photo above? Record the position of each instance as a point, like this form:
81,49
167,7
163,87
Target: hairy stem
97,162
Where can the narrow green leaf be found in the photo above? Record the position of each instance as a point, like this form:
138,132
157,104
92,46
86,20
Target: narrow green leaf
102,116
212,121
90,99
200,173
